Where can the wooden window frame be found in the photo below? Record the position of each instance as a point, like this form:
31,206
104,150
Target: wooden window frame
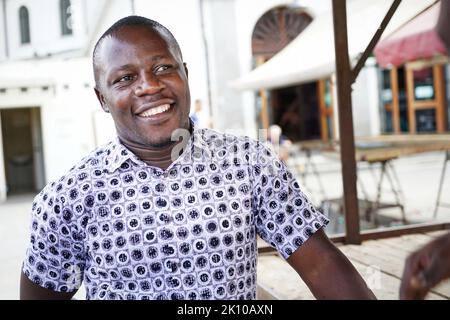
324,111
438,103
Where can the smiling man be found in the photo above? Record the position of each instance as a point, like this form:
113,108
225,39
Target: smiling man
151,217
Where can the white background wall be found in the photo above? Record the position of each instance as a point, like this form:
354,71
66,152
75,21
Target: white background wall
366,101
67,108
2,33
45,28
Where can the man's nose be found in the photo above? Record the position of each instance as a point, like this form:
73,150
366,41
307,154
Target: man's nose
149,85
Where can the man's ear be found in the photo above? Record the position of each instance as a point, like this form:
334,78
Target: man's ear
101,99
186,69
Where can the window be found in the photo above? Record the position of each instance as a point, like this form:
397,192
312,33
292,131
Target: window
66,17
424,84
277,28
24,21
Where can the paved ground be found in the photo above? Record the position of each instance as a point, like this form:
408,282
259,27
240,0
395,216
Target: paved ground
419,177
14,217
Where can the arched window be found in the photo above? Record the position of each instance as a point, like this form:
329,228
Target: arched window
24,21
276,28
66,17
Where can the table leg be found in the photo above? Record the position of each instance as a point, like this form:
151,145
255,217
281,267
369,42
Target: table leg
378,198
441,184
397,192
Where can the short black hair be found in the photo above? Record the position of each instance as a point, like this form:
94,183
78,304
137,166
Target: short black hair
135,21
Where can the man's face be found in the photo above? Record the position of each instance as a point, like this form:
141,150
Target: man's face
143,83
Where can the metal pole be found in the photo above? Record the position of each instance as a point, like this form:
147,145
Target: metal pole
441,184
347,139
207,62
133,8
375,39
5,28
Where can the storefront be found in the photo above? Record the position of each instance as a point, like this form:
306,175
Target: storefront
304,72
413,87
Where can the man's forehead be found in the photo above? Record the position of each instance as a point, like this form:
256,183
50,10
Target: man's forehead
119,46
127,39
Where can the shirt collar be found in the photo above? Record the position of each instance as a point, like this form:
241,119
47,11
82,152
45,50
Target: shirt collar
196,150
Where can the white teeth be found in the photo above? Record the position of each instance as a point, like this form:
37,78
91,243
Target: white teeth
156,110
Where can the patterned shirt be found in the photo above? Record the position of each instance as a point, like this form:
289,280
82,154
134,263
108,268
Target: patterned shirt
132,231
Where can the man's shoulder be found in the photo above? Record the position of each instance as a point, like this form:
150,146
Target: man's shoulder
85,170
217,139
96,159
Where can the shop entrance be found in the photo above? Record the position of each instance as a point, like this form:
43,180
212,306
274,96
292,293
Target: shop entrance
22,150
296,111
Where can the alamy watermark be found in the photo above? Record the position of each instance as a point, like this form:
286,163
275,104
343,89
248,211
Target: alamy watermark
265,156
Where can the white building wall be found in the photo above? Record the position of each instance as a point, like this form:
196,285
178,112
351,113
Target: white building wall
222,48
2,32
69,109
2,166
365,99
45,29
102,16
93,12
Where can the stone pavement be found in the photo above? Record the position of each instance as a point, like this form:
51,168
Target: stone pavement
14,236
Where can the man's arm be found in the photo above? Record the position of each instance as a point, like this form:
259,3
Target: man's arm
31,291
425,268
326,270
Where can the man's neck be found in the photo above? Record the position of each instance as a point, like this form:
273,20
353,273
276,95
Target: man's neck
160,157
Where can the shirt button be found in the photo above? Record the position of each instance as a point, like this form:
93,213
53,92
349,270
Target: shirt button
166,174
179,264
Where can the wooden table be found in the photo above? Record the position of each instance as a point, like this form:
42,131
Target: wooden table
383,150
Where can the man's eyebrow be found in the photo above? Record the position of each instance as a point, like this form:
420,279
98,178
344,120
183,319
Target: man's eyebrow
158,57
123,67
128,65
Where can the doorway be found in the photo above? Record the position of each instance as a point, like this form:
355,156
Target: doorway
394,98
22,150
296,111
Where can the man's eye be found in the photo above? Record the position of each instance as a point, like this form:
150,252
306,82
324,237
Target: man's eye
125,78
163,68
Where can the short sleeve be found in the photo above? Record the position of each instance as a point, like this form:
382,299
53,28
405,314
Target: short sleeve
55,257
285,217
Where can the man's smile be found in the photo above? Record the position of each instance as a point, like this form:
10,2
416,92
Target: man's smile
156,113
157,110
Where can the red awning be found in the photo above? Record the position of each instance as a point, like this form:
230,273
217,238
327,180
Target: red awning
416,39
